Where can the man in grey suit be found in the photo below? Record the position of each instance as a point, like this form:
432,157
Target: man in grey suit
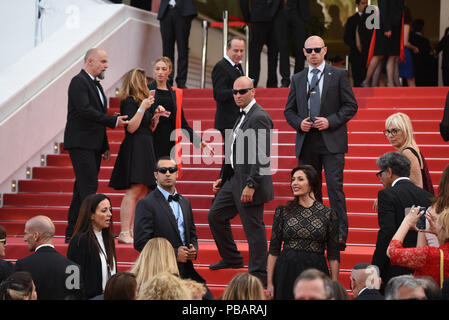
245,184
319,105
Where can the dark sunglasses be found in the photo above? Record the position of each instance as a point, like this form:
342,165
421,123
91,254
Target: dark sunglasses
379,174
241,91
164,169
317,50
3,241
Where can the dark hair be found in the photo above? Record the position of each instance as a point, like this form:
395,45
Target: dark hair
164,158
228,44
396,161
121,286
339,292
84,225
418,25
17,286
2,232
312,177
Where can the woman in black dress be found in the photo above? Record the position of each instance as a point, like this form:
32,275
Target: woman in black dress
134,167
306,228
165,96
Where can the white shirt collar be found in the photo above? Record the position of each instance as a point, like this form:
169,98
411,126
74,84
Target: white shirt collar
249,106
230,61
399,179
44,245
91,76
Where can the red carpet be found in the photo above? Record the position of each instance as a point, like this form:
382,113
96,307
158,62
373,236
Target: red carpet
49,192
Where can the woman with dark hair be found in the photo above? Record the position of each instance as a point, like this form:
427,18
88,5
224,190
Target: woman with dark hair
121,286
305,228
92,245
18,286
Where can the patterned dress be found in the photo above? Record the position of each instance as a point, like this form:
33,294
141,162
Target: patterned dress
305,233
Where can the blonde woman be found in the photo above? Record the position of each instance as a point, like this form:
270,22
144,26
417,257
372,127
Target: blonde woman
134,167
399,132
157,256
244,286
164,286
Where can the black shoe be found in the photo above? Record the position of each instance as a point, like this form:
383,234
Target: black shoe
225,265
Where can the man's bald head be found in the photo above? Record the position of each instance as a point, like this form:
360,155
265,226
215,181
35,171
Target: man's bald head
96,62
39,230
243,91
314,44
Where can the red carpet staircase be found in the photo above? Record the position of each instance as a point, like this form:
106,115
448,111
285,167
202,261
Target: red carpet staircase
50,190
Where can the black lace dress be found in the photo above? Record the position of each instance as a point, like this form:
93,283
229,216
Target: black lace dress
305,234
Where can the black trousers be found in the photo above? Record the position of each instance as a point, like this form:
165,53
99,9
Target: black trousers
261,33
289,27
357,67
315,153
86,165
176,29
225,207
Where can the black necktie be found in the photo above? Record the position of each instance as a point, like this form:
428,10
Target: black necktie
315,99
242,113
238,66
174,197
98,85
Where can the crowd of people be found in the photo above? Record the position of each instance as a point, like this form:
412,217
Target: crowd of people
411,259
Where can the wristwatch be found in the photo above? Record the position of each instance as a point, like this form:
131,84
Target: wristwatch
250,184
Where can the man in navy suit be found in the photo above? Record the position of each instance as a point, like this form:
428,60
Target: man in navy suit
167,214
319,105
85,131
55,276
175,17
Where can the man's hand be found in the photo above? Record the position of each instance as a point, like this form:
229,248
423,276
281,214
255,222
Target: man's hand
387,34
183,254
216,186
247,195
107,155
191,252
121,121
321,123
306,124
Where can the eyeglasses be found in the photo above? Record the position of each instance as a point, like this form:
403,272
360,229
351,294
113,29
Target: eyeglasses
241,91
317,50
164,169
391,132
379,174
3,241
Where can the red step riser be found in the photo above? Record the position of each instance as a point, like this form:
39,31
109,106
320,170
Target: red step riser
200,174
200,216
280,189
198,202
207,252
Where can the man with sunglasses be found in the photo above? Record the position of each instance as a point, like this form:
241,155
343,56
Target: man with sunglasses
167,214
319,105
399,195
245,184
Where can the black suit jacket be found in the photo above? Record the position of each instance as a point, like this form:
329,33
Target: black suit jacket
350,31
50,270
338,105
86,117
6,269
154,218
259,12
302,7
184,7
223,77
370,294
251,156
392,203
83,250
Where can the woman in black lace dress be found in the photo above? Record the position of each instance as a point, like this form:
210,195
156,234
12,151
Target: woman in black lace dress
305,228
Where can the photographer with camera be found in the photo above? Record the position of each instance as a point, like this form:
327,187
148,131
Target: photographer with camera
394,201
